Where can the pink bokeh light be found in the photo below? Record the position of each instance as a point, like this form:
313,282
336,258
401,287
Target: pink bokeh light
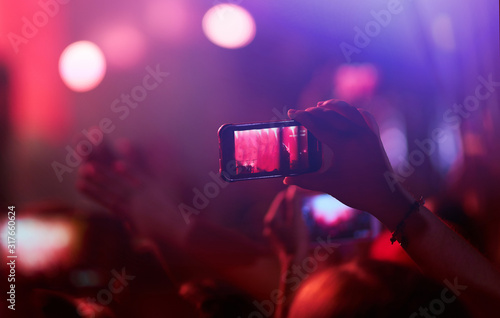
122,44
354,82
82,66
40,244
229,26
169,20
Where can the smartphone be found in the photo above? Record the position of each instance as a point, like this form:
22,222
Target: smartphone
330,220
267,150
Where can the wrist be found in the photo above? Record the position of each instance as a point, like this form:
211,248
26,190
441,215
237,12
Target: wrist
393,208
399,234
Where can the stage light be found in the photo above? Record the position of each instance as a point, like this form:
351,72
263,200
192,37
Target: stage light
229,26
82,66
40,244
329,210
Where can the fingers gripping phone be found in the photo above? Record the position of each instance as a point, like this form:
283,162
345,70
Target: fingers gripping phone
267,150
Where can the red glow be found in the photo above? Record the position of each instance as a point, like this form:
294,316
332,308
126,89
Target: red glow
383,250
39,106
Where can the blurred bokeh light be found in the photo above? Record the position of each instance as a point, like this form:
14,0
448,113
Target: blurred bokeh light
229,26
168,20
122,44
40,244
82,66
354,82
329,210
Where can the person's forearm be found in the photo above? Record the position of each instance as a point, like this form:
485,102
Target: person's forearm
445,256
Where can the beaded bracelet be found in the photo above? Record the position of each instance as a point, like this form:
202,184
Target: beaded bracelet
397,235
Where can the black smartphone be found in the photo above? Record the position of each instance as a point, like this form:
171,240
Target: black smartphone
266,150
330,220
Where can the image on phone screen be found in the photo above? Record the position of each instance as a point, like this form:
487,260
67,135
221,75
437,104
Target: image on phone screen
264,150
271,149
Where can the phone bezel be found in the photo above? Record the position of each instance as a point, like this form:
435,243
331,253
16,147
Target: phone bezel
227,166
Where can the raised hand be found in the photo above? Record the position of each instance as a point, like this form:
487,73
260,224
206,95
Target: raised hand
354,173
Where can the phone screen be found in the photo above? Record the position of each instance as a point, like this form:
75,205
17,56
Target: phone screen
265,150
271,149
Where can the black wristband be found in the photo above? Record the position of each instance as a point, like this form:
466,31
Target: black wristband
398,234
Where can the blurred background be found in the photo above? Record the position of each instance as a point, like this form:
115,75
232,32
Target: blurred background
165,74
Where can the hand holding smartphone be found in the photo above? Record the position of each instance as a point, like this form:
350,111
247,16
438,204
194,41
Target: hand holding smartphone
267,150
